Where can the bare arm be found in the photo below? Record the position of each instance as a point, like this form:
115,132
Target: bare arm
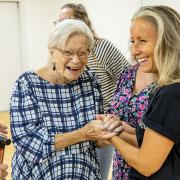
129,138
95,130
128,128
91,131
66,139
154,145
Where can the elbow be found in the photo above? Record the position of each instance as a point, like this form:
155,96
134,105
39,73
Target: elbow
148,169
146,172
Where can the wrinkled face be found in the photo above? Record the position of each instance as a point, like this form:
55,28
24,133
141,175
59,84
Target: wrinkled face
72,58
66,13
143,41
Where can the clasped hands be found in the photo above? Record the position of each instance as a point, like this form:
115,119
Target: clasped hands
103,128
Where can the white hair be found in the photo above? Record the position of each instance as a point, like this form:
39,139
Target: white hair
66,28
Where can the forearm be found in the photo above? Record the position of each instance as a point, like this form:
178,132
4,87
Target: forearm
131,130
129,152
128,129
129,138
91,131
154,145
67,139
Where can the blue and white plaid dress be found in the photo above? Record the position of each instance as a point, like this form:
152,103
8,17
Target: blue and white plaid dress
39,110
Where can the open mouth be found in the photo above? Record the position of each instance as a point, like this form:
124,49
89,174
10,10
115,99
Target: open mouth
74,69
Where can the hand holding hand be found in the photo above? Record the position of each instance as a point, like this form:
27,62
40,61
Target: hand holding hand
94,130
112,125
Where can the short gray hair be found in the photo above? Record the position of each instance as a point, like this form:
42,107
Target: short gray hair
66,28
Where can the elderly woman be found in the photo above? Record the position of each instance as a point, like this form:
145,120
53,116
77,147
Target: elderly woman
51,110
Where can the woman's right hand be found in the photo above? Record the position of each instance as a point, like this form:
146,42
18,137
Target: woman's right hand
94,130
98,130
112,124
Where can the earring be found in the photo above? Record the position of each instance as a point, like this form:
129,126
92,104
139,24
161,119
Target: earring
54,66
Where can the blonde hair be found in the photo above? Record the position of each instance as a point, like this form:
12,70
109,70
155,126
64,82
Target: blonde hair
79,12
167,49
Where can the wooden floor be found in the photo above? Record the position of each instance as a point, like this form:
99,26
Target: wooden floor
4,119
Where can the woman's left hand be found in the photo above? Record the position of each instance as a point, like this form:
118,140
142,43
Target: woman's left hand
112,124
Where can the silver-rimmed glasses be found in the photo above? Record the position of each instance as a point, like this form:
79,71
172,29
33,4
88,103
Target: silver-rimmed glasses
82,53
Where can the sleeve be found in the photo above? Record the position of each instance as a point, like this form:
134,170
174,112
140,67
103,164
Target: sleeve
115,60
139,135
29,135
163,115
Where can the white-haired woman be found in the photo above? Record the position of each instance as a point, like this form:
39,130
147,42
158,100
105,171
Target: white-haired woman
52,111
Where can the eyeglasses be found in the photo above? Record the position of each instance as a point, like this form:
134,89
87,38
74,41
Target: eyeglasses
69,54
60,20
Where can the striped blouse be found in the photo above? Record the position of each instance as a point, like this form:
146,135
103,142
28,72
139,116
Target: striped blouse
107,62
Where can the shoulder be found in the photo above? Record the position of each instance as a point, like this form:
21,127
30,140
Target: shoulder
26,76
25,80
169,93
101,42
170,90
90,76
129,71
127,76
163,113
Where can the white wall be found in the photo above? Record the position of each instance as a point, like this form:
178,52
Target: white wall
110,19
35,21
10,61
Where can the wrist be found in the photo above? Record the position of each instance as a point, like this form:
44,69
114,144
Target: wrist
82,134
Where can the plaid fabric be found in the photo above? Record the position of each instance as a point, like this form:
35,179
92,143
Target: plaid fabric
39,110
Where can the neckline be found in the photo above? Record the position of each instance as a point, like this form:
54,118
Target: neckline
150,85
48,82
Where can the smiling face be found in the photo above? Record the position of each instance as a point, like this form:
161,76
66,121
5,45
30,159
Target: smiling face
71,60
143,41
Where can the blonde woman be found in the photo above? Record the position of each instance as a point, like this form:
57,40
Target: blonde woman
153,150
